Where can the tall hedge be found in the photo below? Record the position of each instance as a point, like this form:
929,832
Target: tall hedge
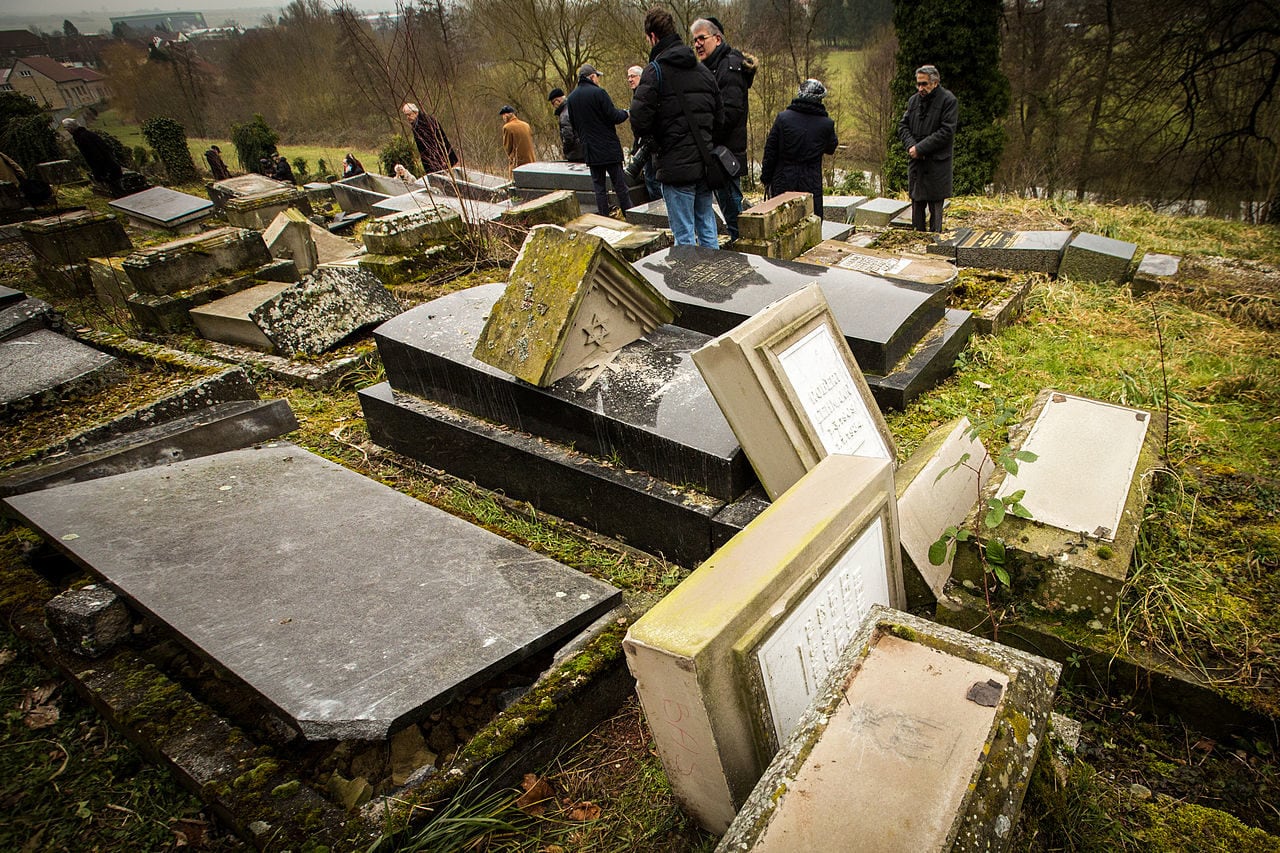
25,132
169,140
253,140
962,38
398,150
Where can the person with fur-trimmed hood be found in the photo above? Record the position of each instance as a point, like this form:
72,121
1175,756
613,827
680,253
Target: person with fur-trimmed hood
734,71
801,134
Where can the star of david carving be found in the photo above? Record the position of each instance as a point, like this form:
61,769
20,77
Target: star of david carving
596,331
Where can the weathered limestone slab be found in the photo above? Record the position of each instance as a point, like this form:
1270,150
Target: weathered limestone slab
89,621
192,261
230,425
727,662
1085,492
554,208
653,214
110,283
290,236
227,320
937,487
571,299
69,238
25,316
840,208
411,232
793,394
896,266
1092,257
42,366
1154,272
257,210
60,172
878,212
161,207
1030,251
251,183
765,220
279,591
325,308
633,242
788,243
170,312
923,738
319,192
469,183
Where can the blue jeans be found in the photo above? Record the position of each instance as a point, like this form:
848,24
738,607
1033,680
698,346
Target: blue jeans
693,222
730,198
619,178
651,184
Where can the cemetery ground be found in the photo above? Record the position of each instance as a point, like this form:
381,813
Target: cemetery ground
1204,591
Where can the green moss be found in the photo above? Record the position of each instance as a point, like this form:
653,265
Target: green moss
287,789
1185,826
258,776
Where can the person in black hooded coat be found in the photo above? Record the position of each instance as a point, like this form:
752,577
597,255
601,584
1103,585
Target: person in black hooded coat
801,134
594,118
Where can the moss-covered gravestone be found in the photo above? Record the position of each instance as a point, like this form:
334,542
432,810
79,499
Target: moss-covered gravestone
782,227
571,299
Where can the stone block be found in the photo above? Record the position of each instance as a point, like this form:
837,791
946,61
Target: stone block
633,242
727,662
161,207
411,232
394,269
60,172
788,243
170,312
41,367
948,241
792,392
227,320
554,208
1154,272
304,550
653,214
922,738
256,211
359,193
290,236
110,282
88,621
23,316
1085,491
836,230
1091,257
319,193
469,183
191,262
251,183
571,299
840,208
325,308
895,266
473,211
1027,251
70,280
547,175
70,238
878,212
937,487
766,220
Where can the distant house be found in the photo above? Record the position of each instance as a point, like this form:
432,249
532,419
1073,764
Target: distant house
17,43
56,86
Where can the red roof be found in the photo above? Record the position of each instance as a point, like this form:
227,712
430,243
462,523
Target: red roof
57,72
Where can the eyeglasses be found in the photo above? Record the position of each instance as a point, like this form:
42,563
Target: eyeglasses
700,39
924,85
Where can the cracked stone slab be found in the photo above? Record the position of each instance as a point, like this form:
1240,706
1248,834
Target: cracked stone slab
44,364
350,607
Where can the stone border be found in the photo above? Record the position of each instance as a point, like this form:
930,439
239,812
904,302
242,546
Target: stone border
304,374
1005,309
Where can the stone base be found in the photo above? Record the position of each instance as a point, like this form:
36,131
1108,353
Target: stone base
170,312
397,269
89,621
930,362
787,245
43,367
1003,310
24,316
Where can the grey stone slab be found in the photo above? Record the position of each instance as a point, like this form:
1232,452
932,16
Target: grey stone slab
716,290
653,214
222,426
878,212
835,230
227,320
359,193
351,608
170,312
25,316
163,207
220,192
1092,257
898,266
72,236
469,183
60,172
192,261
1154,272
9,296
323,309
840,208
1029,251
41,366
560,175
472,211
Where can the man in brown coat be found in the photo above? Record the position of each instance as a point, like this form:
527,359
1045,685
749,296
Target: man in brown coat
517,138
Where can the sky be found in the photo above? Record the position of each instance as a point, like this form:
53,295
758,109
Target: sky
89,16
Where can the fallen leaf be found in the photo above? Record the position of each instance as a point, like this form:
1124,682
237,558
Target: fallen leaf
585,810
41,716
33,696
537,791
7,656
190,832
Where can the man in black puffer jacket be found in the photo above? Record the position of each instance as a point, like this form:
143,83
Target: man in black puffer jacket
593,115
680,134
801,134
734,72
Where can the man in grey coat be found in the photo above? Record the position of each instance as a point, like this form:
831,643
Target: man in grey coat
928,132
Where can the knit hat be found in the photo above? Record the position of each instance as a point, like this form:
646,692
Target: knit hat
716,21
507,108
557,92
812,90
588,70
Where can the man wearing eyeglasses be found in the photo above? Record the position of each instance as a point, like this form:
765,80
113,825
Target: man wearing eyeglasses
928,132
734,72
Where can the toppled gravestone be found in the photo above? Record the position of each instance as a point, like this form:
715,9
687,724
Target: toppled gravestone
326,307
782,227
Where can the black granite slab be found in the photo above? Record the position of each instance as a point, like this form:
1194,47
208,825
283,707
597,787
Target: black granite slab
715,290
8,295
351,608
649,409
223,426
653,515
932,361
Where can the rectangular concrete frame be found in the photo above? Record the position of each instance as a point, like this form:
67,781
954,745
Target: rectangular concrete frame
714,738
954,793
745,371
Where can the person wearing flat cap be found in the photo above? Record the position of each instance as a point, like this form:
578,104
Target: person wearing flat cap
517,138
570,148
801,134
595,119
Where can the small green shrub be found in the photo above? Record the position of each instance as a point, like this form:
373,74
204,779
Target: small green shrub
300,167
399,150
253,141
169,140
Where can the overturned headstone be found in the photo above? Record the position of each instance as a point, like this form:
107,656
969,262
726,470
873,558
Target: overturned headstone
161,207
289,236
790,389
469,183
633,242
1028,251
41,367
23,315
60,172
653,214
840,208
1085,491
258,209
184,263
782,227
727,662
325,308
922,738
1092,257
251,183
918,269
554,208
571,299
110,283
937,488
411,232
359,193
1154,272
878,212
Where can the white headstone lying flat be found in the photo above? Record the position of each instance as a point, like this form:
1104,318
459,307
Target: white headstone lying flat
164,208
790,389
727,662
922,738
351,608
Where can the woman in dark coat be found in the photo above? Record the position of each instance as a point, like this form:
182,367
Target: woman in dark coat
801,134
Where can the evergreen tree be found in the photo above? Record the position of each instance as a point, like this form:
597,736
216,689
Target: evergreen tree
961,38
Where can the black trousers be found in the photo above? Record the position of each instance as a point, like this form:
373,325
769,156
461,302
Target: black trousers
619,177
918,208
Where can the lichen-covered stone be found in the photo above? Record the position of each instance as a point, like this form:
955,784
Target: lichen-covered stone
554,208
89,621
633,242
326,307
70,238
192,261
258,209
787,244
767,220
169,312
878,212
110,283
412,232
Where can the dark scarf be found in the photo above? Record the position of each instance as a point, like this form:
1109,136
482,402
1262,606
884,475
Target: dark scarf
807,107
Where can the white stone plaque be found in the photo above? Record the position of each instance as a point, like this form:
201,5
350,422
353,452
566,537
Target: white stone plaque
830,398
798,654
879,266
609,235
